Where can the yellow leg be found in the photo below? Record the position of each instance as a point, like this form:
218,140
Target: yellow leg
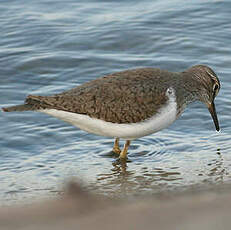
116,147
123,154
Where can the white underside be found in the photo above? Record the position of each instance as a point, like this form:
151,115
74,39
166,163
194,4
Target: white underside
166,116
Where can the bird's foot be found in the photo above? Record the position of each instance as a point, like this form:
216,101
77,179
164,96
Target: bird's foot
116,147
116,150
123,154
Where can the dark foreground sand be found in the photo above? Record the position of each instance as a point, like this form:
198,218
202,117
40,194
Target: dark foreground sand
207,208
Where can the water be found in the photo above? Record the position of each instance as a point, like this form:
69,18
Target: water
50,46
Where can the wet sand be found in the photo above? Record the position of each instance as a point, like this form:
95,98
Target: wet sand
195,208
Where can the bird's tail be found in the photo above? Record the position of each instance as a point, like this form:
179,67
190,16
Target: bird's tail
32,102
24,107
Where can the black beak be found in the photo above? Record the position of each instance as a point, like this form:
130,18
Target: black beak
213,113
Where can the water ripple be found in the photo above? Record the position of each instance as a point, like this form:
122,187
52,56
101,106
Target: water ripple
49,46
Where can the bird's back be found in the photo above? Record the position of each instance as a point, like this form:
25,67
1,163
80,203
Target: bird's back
122,97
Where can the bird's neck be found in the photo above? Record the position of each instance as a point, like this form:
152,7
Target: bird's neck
191,86
187,91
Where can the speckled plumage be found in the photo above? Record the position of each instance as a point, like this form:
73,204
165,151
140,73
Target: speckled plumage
132,96
125,97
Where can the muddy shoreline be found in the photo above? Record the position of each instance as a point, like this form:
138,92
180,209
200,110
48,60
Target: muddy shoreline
204,207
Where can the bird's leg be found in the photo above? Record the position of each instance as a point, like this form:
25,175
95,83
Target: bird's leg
123,154
116,147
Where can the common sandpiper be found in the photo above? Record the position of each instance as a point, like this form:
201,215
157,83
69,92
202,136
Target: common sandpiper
129,104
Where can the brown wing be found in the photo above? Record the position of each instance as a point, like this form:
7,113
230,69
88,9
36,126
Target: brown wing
123,97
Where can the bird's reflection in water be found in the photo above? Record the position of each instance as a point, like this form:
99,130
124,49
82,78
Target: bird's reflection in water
217,170
120,166
123,180
133,178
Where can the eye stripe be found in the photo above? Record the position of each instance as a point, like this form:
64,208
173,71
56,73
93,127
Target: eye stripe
211,75
214,78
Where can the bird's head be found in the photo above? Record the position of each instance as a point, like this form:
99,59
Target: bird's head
209,86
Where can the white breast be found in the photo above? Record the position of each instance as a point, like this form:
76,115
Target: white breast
166,116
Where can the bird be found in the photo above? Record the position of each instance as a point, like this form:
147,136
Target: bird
129,104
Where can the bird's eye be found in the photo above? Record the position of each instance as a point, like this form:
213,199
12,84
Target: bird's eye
215,90
215,87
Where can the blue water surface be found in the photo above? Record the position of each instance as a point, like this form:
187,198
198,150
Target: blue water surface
48,46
